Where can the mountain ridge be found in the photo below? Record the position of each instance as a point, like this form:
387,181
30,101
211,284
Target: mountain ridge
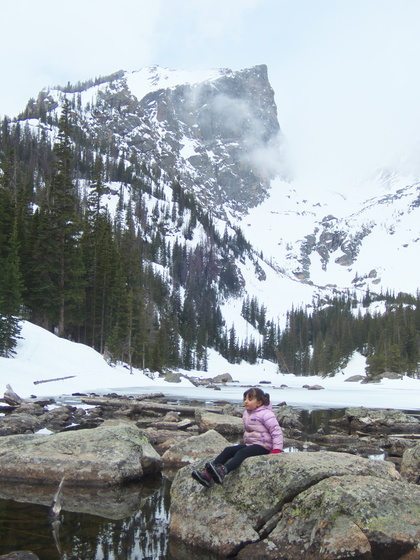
198,176
328,242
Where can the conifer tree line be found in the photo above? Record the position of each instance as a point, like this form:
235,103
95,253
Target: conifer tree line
322,341
112,282
117,284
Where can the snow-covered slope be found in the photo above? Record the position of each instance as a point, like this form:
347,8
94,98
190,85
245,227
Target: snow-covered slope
332,239
42,356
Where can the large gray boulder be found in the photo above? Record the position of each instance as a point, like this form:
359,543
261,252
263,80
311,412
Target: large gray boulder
22,423
103,456
226,518
290,422
342,517
222,423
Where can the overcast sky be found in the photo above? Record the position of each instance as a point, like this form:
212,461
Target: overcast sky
345,72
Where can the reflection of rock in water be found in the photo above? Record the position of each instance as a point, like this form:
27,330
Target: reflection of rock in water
143,534
55,515
55,509
56,524
313,420
138,528
116,502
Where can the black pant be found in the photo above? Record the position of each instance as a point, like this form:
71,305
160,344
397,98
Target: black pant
237,454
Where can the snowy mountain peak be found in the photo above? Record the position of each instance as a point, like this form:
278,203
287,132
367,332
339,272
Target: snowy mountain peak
152,78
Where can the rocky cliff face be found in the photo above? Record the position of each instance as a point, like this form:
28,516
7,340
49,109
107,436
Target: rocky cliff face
219,137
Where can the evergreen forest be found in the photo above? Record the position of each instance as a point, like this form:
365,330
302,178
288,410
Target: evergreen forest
116,283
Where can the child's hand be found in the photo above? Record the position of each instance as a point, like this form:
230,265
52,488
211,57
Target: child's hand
276,451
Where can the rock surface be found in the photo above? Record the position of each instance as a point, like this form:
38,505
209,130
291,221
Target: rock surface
380,421
226,518
222,423
107,455
194,448
410,465
361,517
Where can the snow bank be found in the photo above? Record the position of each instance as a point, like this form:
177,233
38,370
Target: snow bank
42,356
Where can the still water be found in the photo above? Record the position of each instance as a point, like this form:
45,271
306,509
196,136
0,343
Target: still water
96,525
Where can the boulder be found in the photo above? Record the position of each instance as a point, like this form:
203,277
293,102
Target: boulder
31,417
314,387
222,378
343,517
103,456
355,378
396,445
410,464
222,423
224,519
163,439
289,419
194,448
379,421
22,423
171,377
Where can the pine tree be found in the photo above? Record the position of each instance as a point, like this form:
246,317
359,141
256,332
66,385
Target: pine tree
10,297
65,231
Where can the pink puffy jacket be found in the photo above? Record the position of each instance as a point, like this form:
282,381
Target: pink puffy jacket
262,428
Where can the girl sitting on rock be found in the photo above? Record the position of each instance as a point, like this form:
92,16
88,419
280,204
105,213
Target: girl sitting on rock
262,436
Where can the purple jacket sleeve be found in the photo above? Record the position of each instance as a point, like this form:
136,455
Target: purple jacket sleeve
276,432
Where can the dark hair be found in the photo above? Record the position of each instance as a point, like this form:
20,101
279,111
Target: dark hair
259,394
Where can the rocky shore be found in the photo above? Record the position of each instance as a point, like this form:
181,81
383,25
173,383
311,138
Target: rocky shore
327,501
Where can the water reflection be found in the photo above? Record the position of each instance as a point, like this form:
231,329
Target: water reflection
86,536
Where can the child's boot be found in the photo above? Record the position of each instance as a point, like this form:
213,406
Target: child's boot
203,477
217,472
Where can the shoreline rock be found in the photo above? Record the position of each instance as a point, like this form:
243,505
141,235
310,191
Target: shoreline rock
103,456
225,519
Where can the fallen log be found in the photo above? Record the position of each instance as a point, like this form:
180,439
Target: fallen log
138,406
182,425
56,379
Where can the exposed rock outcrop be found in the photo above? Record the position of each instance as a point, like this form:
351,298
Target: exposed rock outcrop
226,518
107,455
361,517
380,421
222,423
410,465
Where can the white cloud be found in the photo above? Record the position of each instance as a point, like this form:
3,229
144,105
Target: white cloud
51,42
